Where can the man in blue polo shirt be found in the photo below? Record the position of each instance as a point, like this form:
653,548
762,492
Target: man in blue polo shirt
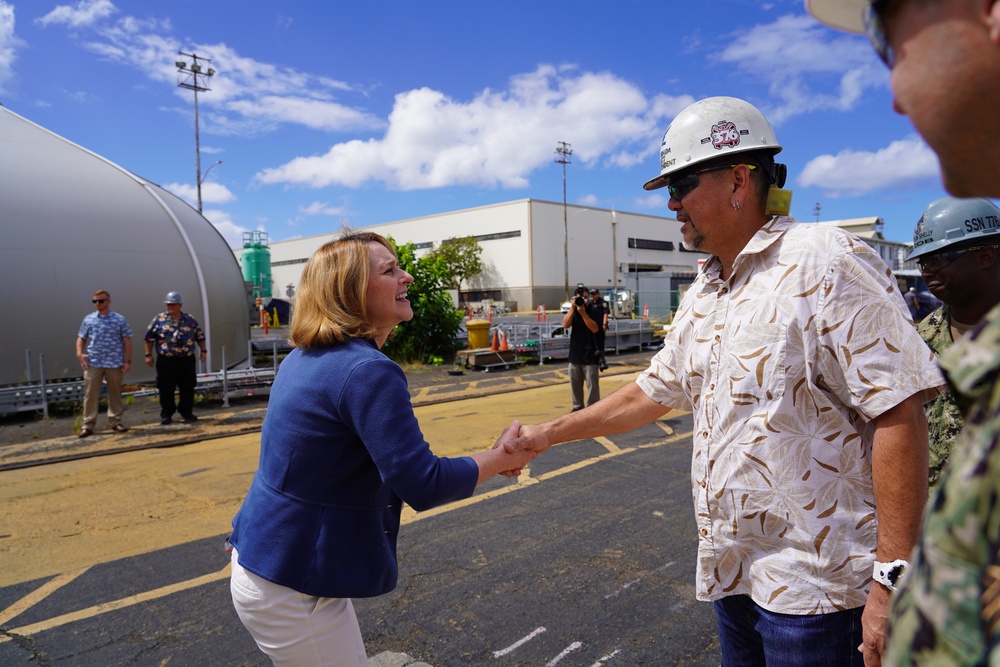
104,350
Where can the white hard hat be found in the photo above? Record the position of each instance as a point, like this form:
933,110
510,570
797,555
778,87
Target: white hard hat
840,14
709,129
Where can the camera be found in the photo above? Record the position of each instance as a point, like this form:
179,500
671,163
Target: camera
579,301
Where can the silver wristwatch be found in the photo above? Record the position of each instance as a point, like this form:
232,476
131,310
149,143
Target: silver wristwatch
888,574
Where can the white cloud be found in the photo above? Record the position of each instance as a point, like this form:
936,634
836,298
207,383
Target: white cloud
8,43
322,208
84,13
211,193
246,96
801,62
495,139
908,162
652,202
231,232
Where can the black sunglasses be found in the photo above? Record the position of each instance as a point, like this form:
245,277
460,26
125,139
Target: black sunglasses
679,188
874,18
98,300
939,260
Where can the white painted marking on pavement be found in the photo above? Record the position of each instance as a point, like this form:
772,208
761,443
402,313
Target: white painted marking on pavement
609,656
520,642
635,581
569,649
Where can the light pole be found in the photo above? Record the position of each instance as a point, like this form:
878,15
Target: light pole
563,151
614,259
201,179
188,74
566,256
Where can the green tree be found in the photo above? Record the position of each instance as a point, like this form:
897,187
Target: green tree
433,331
462,256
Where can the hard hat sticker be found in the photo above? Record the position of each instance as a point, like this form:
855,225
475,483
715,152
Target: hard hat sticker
725,134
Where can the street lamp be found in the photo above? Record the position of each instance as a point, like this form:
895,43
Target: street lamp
201,180
563,151
188,74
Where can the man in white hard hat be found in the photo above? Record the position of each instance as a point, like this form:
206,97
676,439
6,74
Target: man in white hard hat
796,355
945,62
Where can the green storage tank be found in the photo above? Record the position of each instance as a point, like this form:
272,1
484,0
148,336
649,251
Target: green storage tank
257,262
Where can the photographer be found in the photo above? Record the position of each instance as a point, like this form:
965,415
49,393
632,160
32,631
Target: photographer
599,312
584,362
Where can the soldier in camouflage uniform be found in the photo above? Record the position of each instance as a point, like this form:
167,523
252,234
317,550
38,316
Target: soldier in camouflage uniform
955,245
940,54
942,614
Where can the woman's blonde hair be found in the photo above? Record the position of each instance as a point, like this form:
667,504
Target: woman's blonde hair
330,303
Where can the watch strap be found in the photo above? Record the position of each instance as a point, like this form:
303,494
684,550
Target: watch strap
888,574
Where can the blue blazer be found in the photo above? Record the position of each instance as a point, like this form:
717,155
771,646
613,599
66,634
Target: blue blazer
340,451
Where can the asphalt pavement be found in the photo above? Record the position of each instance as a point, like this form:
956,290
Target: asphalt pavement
438,387
29,440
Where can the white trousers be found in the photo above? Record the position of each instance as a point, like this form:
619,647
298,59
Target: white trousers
297,630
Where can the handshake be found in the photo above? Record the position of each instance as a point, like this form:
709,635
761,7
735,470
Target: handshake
516,446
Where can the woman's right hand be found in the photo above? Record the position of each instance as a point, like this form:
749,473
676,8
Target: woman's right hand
500,461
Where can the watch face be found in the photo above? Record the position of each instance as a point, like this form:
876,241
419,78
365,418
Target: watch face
893,574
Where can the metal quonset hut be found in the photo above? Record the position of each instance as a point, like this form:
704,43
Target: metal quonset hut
72,223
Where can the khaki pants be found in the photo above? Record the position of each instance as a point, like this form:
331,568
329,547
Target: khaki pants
92,379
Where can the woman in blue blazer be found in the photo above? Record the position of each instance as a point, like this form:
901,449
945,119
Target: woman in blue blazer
341,450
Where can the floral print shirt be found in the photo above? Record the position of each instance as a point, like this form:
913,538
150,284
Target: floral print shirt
175,339
784,365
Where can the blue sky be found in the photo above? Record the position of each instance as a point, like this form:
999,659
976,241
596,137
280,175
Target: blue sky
325,113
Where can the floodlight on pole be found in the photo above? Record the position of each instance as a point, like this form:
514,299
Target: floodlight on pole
563,151
188,74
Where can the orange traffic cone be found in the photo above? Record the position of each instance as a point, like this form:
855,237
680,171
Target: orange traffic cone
495,347
503,342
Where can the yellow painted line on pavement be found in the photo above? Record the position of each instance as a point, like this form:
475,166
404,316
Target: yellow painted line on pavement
39,594
608,445
115,605
408,516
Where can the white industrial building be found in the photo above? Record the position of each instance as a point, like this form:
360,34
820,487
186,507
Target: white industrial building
528,260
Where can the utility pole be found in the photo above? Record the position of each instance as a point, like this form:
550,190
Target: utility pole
816,210
188,74
563,151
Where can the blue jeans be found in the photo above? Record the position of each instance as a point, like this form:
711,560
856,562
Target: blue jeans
750,635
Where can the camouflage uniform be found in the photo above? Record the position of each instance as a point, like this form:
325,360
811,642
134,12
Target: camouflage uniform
937,614
944,419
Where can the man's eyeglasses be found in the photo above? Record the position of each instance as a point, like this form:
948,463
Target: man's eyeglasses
875,27
939,260
98,300
680,188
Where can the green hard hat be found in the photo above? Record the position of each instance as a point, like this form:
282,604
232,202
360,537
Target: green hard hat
950,221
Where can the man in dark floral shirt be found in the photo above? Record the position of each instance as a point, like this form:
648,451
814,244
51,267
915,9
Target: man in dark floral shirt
175,336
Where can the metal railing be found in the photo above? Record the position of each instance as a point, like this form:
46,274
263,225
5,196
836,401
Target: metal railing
228,383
